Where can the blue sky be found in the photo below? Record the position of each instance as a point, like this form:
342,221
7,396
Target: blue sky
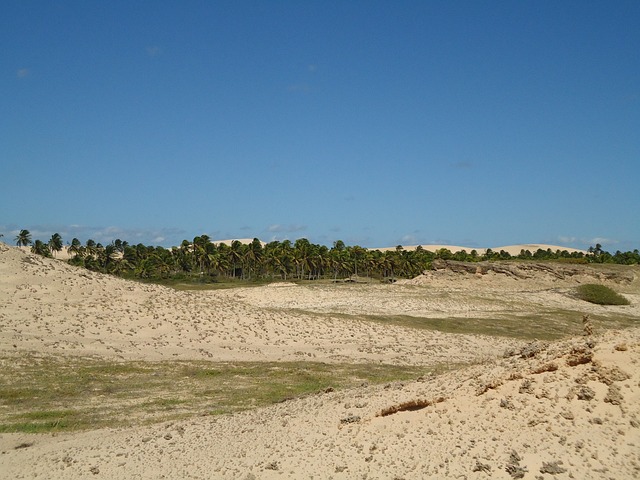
375,122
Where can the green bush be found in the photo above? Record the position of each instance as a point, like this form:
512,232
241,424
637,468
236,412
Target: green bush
600,294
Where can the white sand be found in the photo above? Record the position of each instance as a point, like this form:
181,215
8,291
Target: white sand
586,416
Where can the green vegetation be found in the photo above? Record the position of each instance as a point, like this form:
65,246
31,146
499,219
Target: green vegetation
23,238
55,243
45,394
200,262
547,324
600,295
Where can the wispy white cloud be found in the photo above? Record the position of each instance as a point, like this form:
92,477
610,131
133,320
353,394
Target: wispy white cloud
409,240
602,241
565,239
590,241
104,235
278,228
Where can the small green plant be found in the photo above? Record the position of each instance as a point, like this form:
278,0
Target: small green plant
600,295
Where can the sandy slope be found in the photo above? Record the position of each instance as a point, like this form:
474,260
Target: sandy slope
560,410
52,307
536,414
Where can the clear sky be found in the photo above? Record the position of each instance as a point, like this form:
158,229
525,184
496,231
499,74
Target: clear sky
375,122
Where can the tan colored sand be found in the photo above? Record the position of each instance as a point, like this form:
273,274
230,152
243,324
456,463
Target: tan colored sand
510,249
529,410
52,307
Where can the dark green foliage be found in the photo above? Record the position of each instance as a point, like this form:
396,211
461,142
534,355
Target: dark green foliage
41,248
23,239
600,295
55,243
202,261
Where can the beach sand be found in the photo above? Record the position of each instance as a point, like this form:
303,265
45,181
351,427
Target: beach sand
563,409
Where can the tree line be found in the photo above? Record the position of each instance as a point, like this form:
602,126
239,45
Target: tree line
207,261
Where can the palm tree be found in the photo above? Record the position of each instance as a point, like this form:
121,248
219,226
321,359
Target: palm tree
302,252
357,253
76,249
338,261
338,258
107,255
41,248
278,257
120,266
200,250
212,259
120,245
253,256
236,254
55,243
91,248
182,256
23,239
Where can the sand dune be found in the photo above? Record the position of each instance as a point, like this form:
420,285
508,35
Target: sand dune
511,249
53,307
568,409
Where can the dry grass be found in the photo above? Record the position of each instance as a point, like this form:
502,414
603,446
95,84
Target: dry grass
600,295
45,394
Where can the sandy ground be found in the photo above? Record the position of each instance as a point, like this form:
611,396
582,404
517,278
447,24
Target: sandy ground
567,409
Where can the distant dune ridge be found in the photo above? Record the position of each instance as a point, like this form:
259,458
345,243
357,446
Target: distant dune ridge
521,409
510,249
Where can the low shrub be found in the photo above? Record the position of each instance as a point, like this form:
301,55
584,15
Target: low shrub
600,295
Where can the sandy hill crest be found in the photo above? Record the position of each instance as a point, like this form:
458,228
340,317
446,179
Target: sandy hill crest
510,249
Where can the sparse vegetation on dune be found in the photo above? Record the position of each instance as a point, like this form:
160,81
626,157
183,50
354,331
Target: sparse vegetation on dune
48,394
600,294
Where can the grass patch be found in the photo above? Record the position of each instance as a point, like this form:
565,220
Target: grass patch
548,326
545,325
48,394
600,295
